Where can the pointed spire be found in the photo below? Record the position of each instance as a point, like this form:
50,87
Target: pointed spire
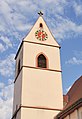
40,13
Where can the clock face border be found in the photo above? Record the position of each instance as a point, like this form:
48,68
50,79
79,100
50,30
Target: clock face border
41,35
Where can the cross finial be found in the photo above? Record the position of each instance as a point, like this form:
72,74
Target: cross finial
40,13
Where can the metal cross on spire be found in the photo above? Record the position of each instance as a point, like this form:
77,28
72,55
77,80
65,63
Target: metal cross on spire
40,13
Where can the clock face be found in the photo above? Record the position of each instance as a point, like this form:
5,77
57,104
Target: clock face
41,35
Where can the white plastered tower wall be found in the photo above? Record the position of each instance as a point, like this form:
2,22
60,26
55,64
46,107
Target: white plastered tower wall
38,91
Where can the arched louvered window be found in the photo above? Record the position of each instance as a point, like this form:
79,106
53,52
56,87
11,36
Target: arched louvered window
18,66
42,61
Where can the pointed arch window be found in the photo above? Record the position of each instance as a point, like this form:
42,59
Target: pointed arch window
42,62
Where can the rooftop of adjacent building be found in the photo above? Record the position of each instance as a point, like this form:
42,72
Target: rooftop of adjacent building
74,93
73,99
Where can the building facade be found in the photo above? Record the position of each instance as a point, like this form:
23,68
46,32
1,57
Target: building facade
38,81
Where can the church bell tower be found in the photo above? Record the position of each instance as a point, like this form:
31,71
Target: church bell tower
38,83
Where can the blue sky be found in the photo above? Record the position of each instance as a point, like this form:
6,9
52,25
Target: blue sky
63,17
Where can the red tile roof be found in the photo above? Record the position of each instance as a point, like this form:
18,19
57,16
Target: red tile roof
72,100
75,93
